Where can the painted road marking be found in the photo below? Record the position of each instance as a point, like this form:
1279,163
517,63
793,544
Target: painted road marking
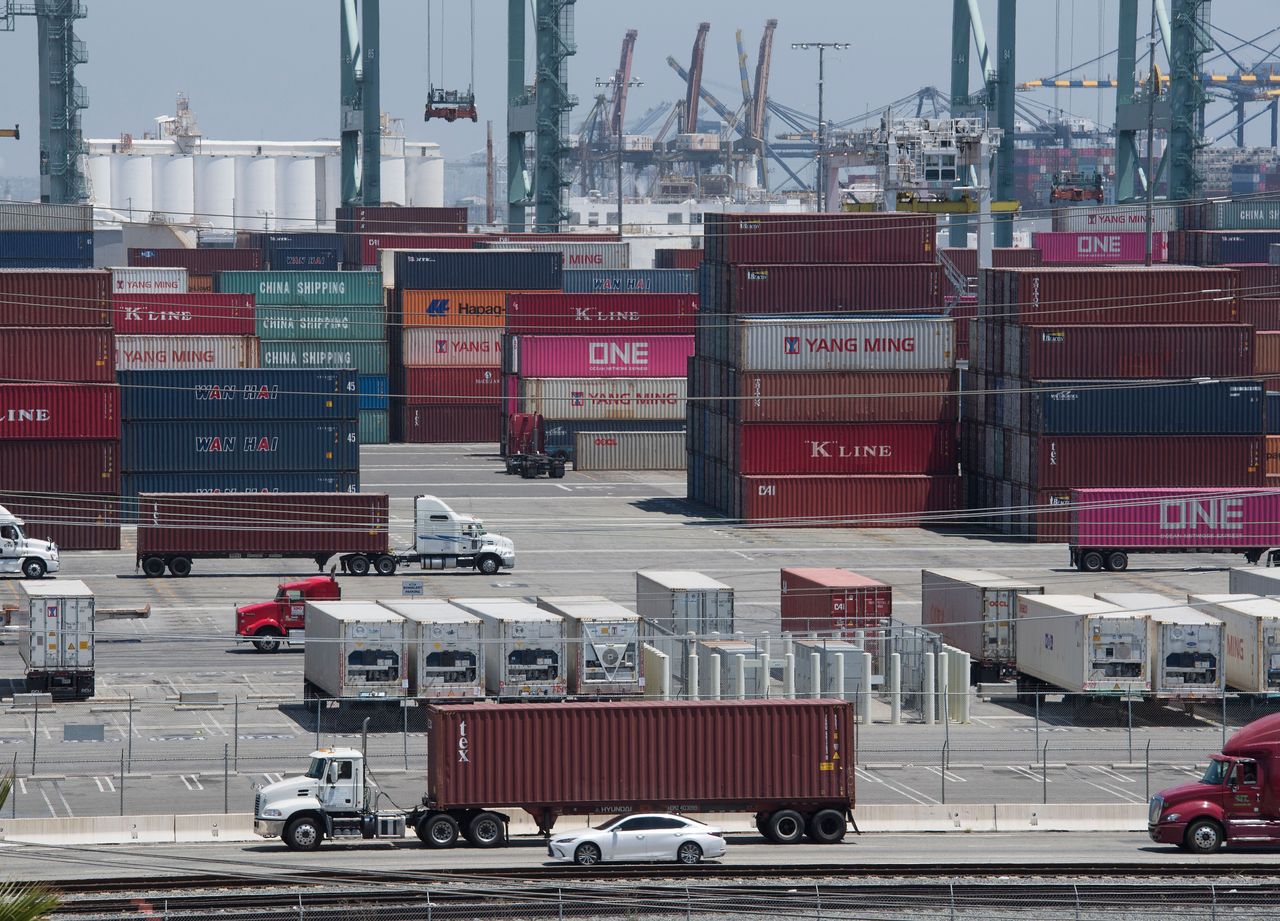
53,812
193,783
105,784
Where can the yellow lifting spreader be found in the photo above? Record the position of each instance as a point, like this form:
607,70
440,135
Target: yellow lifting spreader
11,133
965,204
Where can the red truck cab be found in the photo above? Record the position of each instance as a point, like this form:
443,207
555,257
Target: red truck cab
1237,801
269,623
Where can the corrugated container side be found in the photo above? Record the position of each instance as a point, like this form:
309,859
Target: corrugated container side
453,308
137,280
73,522
503,270
575,314
1262,313
1103,247
606,450
150,353
597,356
22,215
1272,461
240,447
814,238
560,435
613,255
42,354
79,466
1176,518
476,386
1266,353
304,289
190,314
755,288
604,398
55,297
374,427
132,484
844,396
446,423
452,347
238,394
198,261
1258,280
1108,460
1151,352
367,245
304,260
368,356
1133,218
833,601
398,219
661,280
826,450
374,390
30,249
59,411
1101,408
677,258
830,344
1114,295
848,501
321,323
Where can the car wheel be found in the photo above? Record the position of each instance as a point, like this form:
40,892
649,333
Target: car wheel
786,826
1204,837
438,831
385,565
153,567
267,641
587,854
689,853
1091,561
358,565
488,564
303,834
827,826
33,568
486,830
1117,561
180,566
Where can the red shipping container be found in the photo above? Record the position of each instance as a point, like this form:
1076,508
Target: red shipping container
827,450
1003,257
534,237
371,243
1153,461
198,314
1266,353
55,297
71,522
51,411
397,219
43,354
833,601
473,386
1262,313
198,261
1258,279
812,238
842,396
848,501
60,466
734,756
447,423
553,313
1092,352
1113,295
199,284
677,258
1101,247
757,288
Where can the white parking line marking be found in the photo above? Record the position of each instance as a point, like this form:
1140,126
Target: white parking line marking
1028,773
192,781
22,786
58,789
53,812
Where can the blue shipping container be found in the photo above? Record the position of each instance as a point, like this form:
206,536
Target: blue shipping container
131,484
246,394
23,249
630,281
1273,413
271,243
1102,408
218,446
558,437
304,260
479,270
1243,246
373,392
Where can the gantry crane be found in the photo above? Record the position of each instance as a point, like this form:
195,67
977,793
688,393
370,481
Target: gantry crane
359,103
693,79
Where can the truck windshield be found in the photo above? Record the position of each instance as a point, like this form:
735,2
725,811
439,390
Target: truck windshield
316,771
1217,772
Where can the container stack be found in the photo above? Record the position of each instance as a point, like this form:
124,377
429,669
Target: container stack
60,427
1088,378
35,235
312,321
201,264
823,388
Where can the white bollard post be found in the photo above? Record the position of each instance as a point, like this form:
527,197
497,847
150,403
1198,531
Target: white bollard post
766,678
692,689
864,692
837,682
929,706
740,676
713,677
965,664
895,688
789,675
815,674
944,662
665,677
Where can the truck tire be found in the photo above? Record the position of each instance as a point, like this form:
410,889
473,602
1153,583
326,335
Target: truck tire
827,826
528,472
1091,561
180,566
1204,837
488,564
1117,561
556,472
786,826
438,831
267,640
385,565
304,833
358,565
487,830
33,568
153,567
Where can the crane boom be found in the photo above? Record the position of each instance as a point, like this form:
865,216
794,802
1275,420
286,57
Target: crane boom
621,82
742,74
693,80
756,114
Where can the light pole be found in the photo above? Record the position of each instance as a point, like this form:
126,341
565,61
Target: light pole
822,126
617,133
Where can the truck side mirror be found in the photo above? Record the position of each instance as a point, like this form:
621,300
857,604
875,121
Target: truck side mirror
333,773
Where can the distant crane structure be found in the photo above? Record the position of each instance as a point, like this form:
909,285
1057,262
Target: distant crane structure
621,84
693,80
359,104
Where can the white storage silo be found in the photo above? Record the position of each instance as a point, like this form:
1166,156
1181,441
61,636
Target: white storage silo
255,193
332,186
393,181
295,193
215,186
131,186
100,181
425,182
173,189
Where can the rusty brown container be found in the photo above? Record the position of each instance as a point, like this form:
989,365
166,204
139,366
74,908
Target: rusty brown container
34,354
840,396
1266,353
757,288
70,521
579,758
54,467
55,297
1262,313
834,238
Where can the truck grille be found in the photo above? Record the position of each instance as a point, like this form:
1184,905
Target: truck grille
257,805
1154,810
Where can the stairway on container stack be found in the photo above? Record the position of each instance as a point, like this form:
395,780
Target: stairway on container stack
1087,378
823,387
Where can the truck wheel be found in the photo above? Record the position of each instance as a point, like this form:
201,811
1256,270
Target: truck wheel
1117,561
557,472
786,826
827,826
438,831
488,564
486,830
153,567
267,640
180,566
303,834
33,568
528,472
359,565
385,565
1204,837
1091,561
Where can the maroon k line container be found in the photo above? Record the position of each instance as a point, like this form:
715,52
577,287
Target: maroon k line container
757,288
55,297
552,313
53,411
448,423
811,238
201,313
1087,352
60,466
848,501
72,522
840,396
43,354
1262,313
553,759
827,449
474,386
816,600
199,261
1132,460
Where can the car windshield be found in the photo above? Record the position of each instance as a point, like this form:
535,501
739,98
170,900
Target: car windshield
316,771
1216,773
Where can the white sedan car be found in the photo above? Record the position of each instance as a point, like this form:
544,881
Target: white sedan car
640,837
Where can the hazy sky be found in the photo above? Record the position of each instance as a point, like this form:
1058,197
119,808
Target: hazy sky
268,68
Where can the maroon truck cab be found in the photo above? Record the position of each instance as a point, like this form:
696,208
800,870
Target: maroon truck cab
269,623
1236,802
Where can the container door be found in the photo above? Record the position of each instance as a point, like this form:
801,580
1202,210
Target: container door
999,609
723,613
77,633
46,616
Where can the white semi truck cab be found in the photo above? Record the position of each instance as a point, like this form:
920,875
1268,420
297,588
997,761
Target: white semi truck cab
441,535
19,553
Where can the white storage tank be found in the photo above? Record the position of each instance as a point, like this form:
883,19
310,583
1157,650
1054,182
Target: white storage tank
295,193
446,654
215,186
834,655
755,670
393,180
100,181
174,189
1079,644
424,181
975,611
55,619
1186,646
354,649
256,193
131,187
332,186
1251,639
605,658
682,601
524,648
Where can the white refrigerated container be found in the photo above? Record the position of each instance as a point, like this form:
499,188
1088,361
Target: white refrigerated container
1251,639
974,610
355,649
1081,645
604,639
683,602
524,647
55,621
1186,645
445,651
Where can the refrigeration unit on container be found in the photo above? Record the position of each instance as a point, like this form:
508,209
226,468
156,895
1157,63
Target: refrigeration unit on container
1251,639
55,297
606,450
1186,645
834,602
976,612
682,601
355,649
445,652
836,657
55,622
238,394
127,280
191,314
754,684
1081,645
525,649
155,353
605,658
304,289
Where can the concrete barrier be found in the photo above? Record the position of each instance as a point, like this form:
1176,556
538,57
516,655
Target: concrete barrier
137,829
215,827
1105,817
911,817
